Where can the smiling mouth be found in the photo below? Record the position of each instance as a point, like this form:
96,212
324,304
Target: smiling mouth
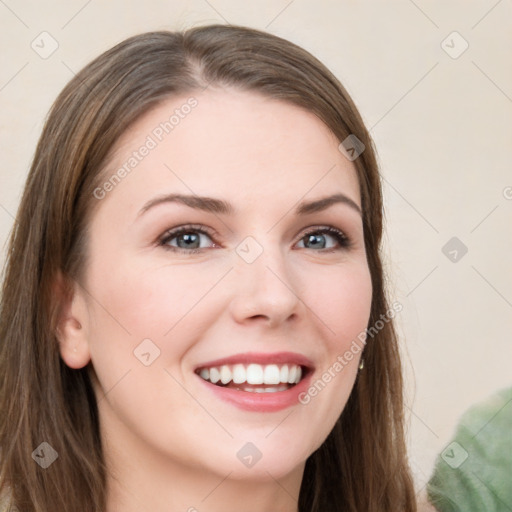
255,378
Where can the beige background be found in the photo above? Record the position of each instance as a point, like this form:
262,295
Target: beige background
442,126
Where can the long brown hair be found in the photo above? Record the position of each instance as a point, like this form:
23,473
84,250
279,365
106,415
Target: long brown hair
362,465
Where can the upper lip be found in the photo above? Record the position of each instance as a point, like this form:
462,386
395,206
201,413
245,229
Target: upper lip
261,358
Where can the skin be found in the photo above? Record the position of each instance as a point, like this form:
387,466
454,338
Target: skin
169,443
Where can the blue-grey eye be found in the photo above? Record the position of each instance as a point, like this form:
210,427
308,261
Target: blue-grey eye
185,239
317,239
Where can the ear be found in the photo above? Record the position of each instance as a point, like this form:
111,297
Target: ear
72,323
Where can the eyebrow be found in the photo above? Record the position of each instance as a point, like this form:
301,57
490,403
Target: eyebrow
219,206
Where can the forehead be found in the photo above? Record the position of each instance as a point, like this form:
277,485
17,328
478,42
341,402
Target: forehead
233,143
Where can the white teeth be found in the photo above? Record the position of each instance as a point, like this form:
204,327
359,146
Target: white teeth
254,374
239,374
284,373
292,374
271,374
270,390
214,375
274,389
225,374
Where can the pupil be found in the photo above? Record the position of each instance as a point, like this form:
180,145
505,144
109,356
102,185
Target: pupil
189,239
318,240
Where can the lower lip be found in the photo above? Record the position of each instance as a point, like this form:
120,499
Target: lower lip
260,402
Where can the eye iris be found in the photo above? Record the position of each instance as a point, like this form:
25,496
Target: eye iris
316,240
189,240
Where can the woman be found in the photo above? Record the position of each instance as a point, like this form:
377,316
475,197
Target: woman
194,315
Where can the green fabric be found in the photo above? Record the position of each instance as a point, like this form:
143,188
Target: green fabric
474,472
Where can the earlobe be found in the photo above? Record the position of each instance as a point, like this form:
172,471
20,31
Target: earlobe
71,330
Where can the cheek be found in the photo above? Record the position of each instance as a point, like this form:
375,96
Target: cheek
152,316
169,305
342,302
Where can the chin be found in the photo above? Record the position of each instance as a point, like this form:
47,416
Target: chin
261,459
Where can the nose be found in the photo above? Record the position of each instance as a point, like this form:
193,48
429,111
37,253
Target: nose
265,290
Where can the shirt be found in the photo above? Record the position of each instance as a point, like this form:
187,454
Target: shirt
474,472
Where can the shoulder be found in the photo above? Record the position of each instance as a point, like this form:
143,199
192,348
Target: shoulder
472,472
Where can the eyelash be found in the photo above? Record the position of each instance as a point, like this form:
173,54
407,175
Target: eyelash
343,241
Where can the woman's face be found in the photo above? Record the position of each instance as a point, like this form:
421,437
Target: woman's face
243,279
